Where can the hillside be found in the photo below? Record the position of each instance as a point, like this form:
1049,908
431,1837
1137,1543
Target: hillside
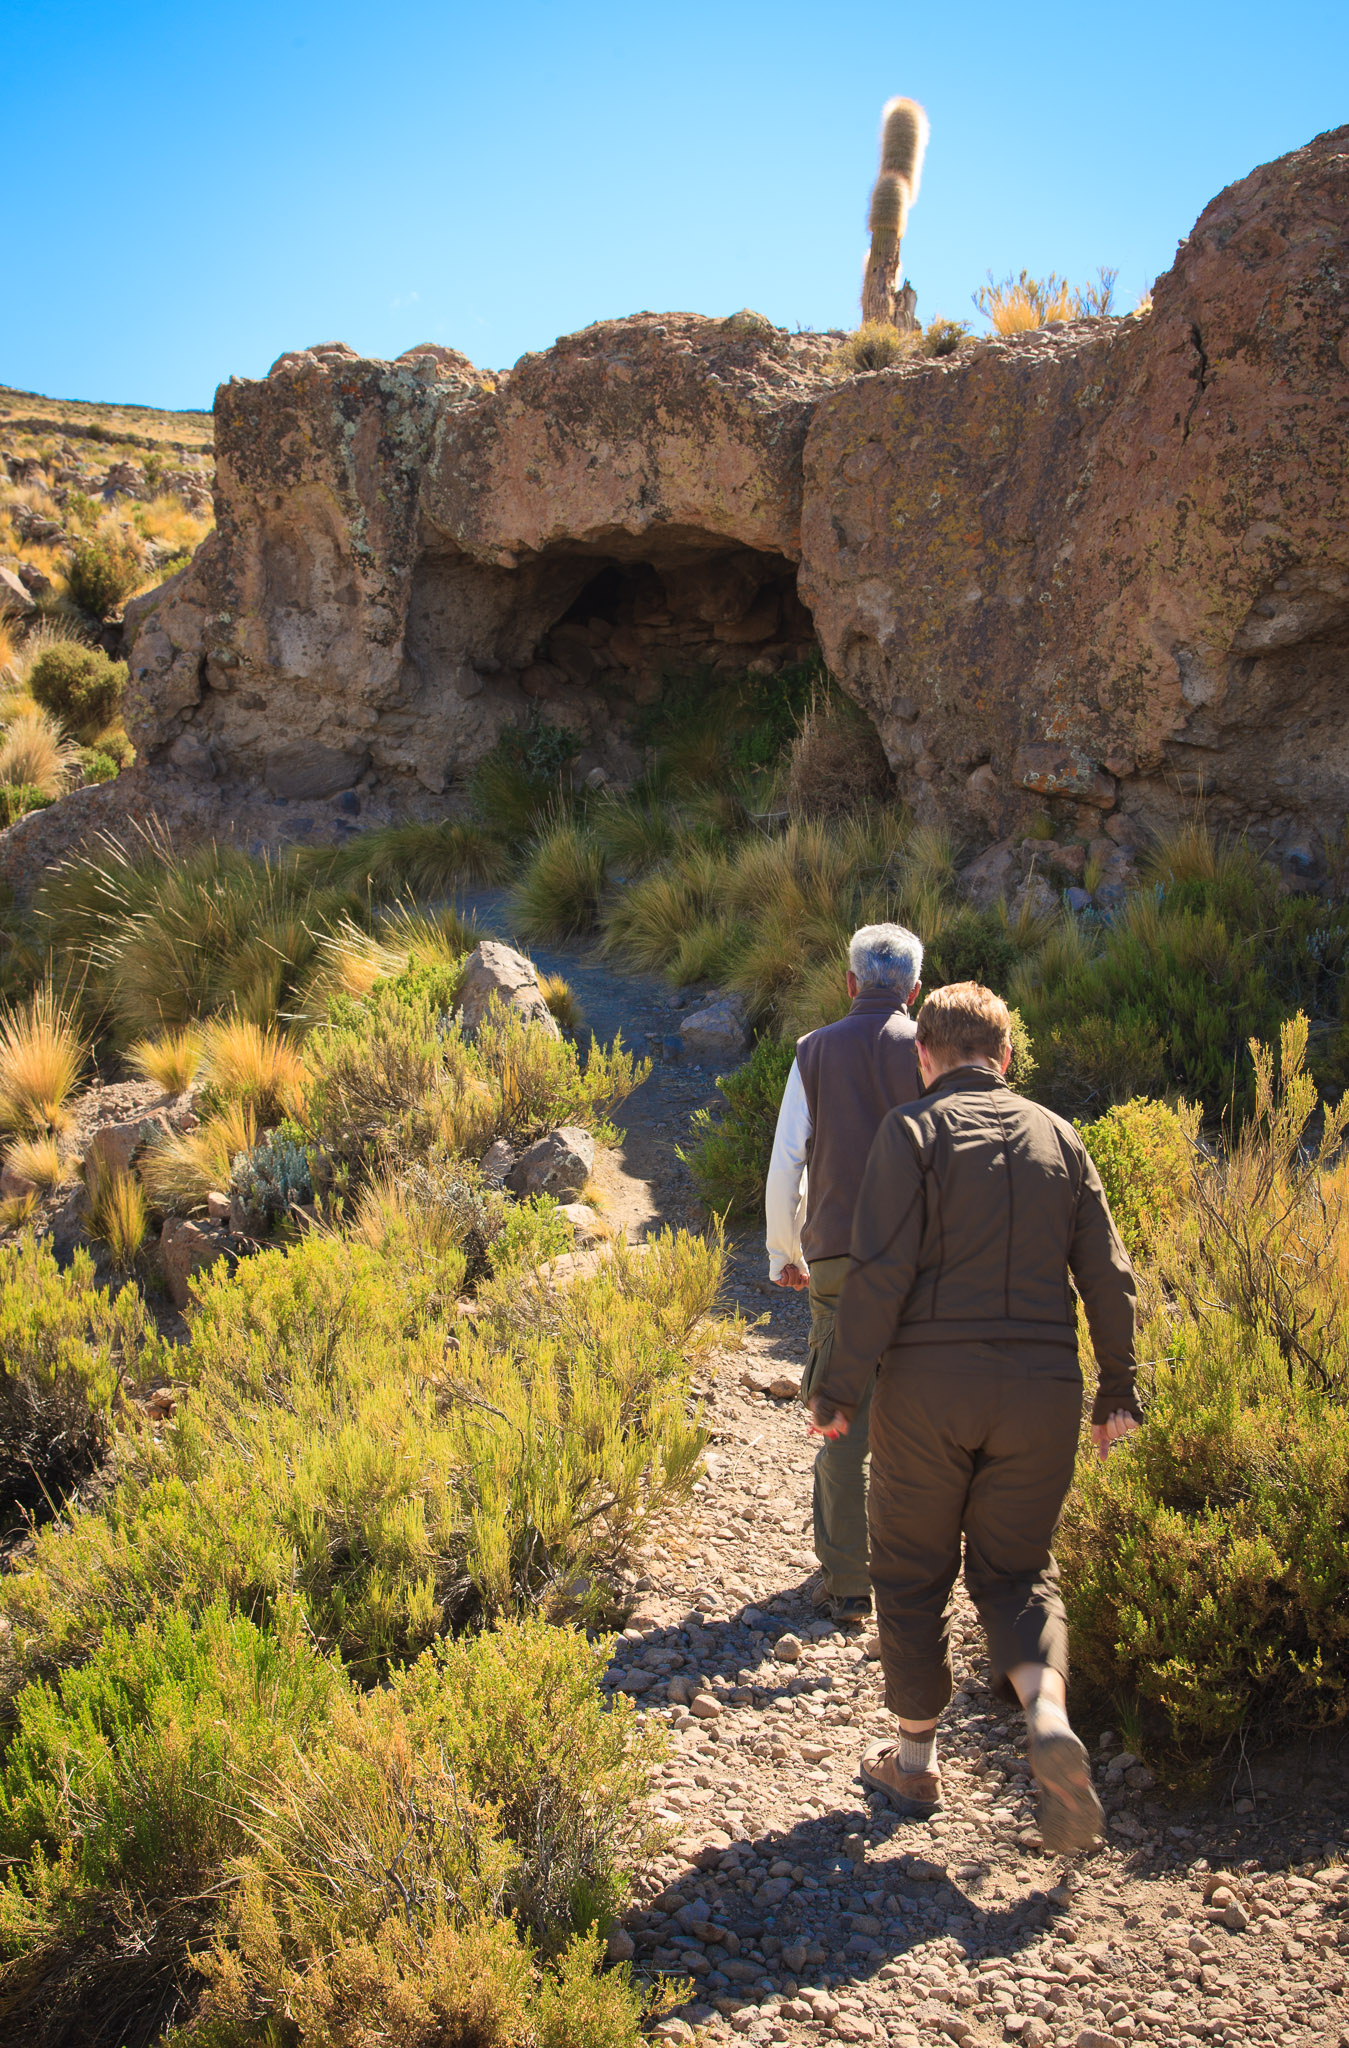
76,470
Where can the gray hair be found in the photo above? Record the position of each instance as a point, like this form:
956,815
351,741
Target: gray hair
886,956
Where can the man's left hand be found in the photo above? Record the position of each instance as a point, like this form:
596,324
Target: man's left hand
793,1276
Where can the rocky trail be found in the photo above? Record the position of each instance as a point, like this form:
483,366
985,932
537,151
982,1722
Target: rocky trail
799,1904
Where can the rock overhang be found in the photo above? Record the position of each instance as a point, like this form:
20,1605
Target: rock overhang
1119,545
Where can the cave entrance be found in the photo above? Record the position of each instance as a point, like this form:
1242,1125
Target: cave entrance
632,627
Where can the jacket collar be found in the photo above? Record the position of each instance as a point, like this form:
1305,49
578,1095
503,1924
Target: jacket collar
982,1078
876,1002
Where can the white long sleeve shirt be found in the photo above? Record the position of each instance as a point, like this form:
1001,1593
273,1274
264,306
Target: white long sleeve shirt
785,1194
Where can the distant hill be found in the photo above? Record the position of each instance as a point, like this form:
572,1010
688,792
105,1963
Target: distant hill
135,426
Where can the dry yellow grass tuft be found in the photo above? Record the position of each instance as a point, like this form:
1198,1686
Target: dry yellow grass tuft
171,1061
41,1059
35,754
38,1160
182,1169
119,1217
1020,304
256,1065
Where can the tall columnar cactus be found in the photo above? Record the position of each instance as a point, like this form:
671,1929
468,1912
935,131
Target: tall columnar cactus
903,141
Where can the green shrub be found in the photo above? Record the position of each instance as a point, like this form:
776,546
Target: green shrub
531,1233
1206,1564
102,575
424,859
66,1347
213,1804
347,1441
730,1154
96,766
1144,1152
79,685
559,892
17,799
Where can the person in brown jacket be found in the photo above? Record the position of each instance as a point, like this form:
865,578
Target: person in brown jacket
975,1209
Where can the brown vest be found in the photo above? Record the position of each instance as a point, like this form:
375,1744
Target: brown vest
854,1073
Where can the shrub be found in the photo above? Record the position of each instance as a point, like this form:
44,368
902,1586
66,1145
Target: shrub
171,1061
102,575
532,1232
18,799
41,1060
66,1346
1143,1152
873,346
1205,1566
559,892
633,834
837,761
35,756
79,685
96,766
730,1153
271,1178
335,1447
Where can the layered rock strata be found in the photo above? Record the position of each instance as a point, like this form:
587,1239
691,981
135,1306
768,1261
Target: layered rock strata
1088,572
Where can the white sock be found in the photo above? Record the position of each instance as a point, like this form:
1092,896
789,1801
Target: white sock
918,1752
1046,1717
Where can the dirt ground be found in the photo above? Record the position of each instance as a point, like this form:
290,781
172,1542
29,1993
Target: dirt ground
797,1902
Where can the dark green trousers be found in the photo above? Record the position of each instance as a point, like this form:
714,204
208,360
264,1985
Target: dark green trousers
840,1491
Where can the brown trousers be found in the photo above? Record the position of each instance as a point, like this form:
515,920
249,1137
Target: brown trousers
979,1440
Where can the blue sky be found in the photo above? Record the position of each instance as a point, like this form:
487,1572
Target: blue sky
193,190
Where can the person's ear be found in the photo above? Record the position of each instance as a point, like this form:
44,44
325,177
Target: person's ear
1006,1060
915,991
853,983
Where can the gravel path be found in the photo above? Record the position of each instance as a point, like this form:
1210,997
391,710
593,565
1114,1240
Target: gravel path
799,1904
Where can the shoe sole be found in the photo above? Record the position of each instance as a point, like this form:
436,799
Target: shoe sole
919,1808
1071,1816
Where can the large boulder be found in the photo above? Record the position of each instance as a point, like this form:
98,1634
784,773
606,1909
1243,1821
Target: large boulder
558,1165
494,970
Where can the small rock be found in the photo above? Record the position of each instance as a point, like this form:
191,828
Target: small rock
1035,2034
620,1947
784,1389
558,1165
795,2008
871,1648
13,596
850,2026
116,1146
673,2029
1236,1917
716,1032
217,1207
497,1161
186,1249
14,1186
583,1220
1091,2038
787,1649
705,1708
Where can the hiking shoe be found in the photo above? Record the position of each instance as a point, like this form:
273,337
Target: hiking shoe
915,1792
849,1610
1071,1818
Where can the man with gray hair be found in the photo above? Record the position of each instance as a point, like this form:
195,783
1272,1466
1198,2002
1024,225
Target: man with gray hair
844,1082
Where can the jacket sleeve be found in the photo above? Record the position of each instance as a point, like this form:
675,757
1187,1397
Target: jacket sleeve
1105,1280
887,1233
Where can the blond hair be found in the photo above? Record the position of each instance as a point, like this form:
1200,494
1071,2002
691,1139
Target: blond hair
964,1021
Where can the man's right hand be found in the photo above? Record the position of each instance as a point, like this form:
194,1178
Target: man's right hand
793,1276
1106,1434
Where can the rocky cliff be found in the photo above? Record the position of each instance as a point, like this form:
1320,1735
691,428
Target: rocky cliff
1089,570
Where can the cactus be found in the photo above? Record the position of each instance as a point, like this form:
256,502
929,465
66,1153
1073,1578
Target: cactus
903,141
